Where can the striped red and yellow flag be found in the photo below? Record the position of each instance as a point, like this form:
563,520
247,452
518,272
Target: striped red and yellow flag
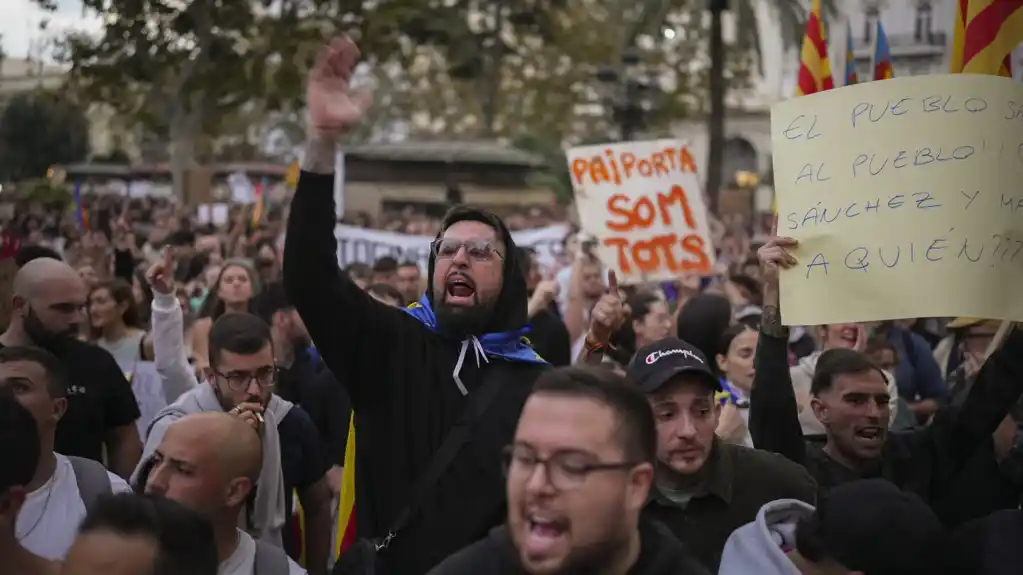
814,68
346,504
986,32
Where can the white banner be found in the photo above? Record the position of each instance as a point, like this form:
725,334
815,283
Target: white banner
363,245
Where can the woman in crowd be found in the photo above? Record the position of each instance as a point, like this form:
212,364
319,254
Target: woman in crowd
734,361
234,290
115,324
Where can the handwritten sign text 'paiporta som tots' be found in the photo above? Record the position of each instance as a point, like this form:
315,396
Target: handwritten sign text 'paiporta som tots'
906,197
642,202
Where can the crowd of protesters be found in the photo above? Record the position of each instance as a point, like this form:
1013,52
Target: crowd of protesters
183,398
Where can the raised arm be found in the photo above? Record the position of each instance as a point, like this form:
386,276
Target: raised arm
774,413
168,333
351,330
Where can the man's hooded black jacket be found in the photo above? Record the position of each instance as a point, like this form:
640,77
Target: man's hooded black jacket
399,377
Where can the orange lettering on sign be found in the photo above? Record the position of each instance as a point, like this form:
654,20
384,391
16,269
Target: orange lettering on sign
662,253
611,169
643,212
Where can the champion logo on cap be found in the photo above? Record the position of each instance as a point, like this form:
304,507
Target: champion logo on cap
650,359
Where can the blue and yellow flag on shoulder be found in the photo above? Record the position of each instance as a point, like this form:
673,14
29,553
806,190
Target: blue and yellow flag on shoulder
511,345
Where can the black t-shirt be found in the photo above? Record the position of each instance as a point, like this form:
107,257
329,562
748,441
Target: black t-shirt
317,391
302,464
99,399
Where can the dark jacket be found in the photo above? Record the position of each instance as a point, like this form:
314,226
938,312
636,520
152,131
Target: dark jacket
398,375
738,481
988,546
660,554
935,462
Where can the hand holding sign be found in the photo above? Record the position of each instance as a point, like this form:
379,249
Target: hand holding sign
774,256
609,313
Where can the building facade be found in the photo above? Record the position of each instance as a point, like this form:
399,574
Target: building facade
919,35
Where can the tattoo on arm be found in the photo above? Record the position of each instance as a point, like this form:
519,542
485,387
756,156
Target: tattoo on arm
770,323
320,155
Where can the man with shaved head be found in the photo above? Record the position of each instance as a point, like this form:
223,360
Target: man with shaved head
47,307
210,462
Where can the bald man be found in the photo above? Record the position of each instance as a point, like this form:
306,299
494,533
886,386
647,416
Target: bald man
46,310
209,462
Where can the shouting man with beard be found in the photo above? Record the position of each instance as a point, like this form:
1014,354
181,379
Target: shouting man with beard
101,410
436,388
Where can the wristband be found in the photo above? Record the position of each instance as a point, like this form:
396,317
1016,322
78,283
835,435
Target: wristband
591,345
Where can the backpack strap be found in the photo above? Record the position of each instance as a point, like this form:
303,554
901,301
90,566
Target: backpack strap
92,479
270,560
478,402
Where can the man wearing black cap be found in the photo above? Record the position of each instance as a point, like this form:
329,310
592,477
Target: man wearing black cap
864,527
706,488
436,388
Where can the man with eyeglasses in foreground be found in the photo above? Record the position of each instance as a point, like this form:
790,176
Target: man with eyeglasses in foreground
240,379
578,474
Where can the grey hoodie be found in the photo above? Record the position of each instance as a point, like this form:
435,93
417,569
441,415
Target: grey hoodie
757,548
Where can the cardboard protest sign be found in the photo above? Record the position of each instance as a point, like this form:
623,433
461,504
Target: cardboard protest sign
642,201
905,197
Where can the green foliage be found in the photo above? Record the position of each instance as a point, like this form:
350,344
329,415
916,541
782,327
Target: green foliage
38,130
164,61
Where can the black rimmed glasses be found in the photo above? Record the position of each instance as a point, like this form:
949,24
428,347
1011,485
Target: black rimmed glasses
265,377
565,470
478,250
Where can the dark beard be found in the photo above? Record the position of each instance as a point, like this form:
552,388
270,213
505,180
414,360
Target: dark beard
43,337
462,321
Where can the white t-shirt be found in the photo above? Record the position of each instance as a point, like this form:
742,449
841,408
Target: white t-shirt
243,560
49,519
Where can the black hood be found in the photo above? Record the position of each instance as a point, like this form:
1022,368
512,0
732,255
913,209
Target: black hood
509,314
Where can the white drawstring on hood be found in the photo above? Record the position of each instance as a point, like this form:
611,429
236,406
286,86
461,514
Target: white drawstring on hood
478,349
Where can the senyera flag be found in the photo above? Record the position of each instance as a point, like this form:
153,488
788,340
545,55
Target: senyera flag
986,32
882,63
814,68
346,505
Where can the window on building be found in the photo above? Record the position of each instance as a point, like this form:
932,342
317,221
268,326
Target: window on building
922,30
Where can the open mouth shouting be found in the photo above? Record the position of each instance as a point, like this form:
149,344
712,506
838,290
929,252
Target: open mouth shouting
870,437
545,535
459,290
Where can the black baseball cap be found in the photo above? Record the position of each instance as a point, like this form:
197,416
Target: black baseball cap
656,364
872,526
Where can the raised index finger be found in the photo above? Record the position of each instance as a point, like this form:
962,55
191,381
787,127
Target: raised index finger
168,260
774,226
612,283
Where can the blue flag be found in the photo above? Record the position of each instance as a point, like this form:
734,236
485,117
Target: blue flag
511,346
